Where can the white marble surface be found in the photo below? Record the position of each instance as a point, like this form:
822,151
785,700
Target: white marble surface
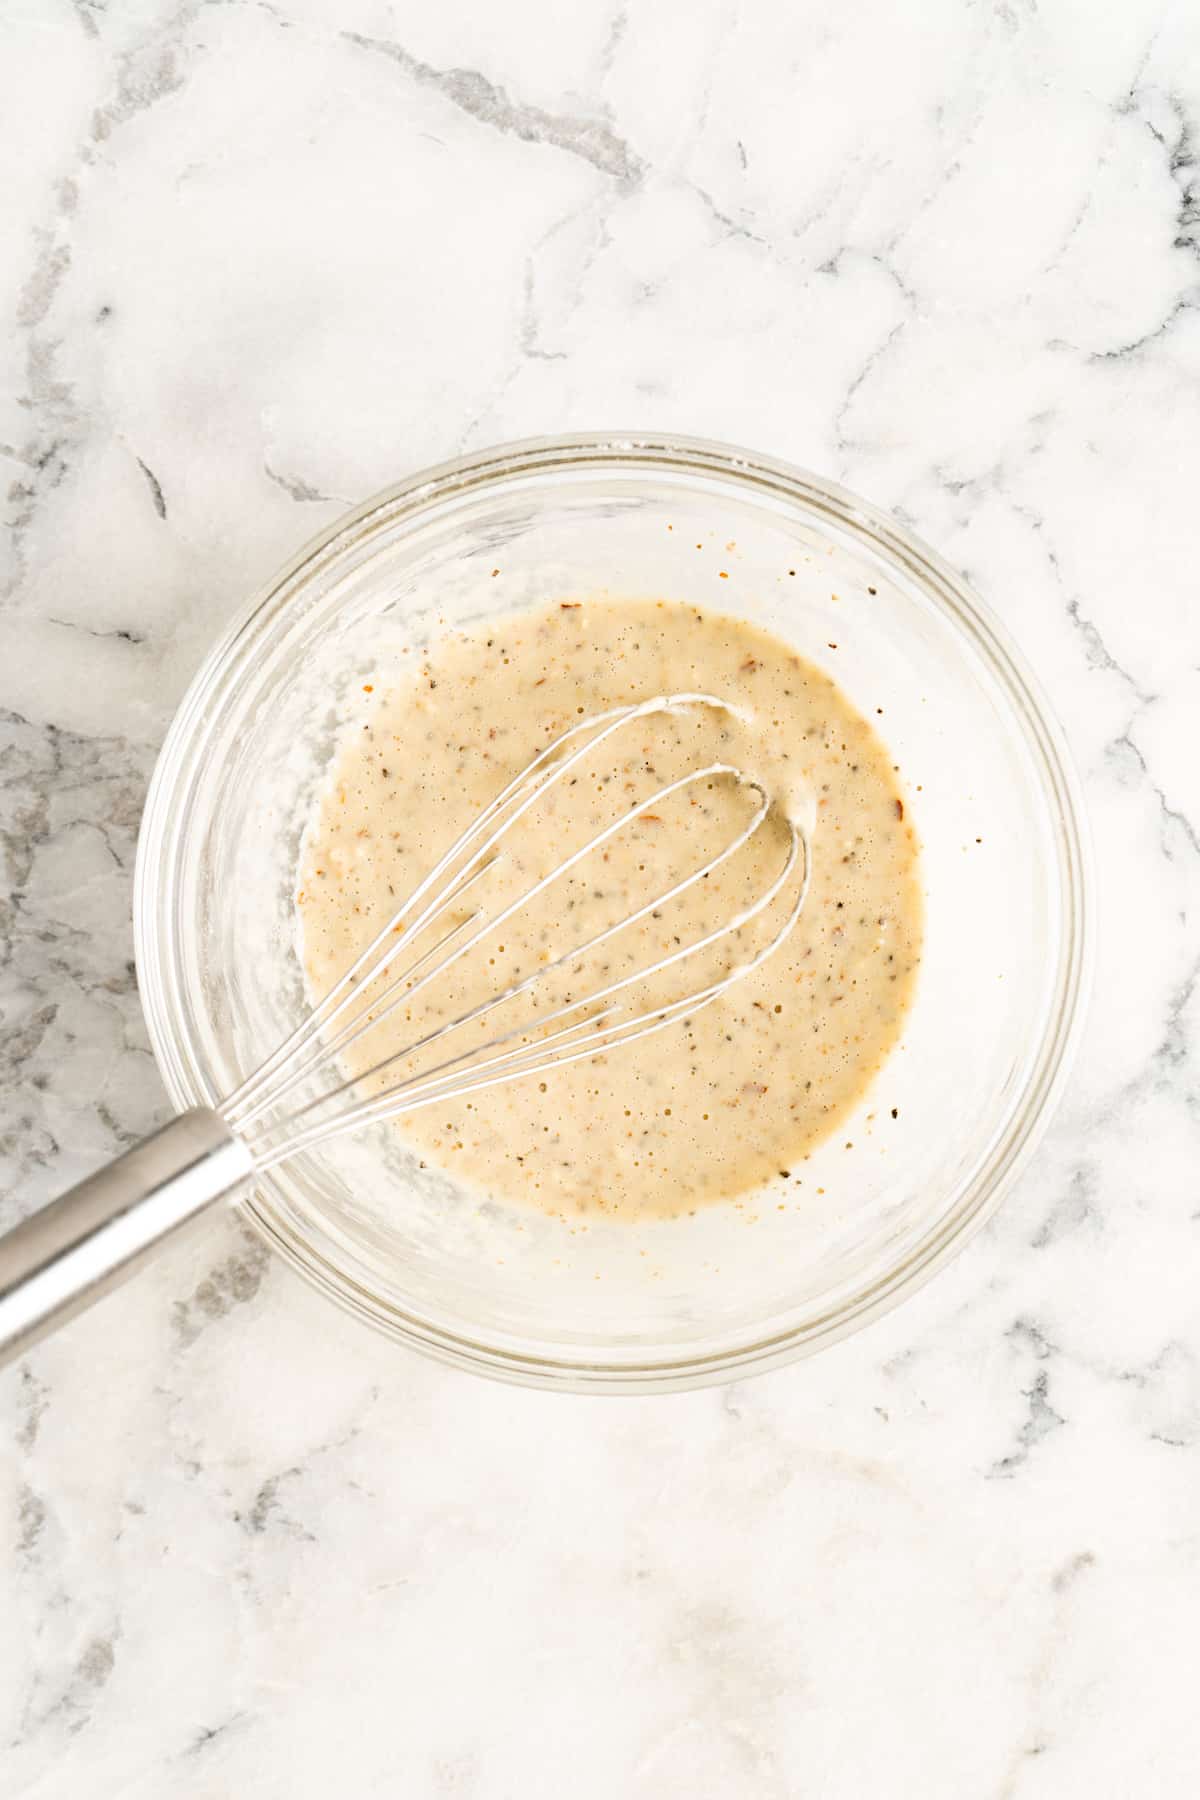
260,258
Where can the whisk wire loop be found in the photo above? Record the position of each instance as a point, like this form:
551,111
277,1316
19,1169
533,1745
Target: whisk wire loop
356,1004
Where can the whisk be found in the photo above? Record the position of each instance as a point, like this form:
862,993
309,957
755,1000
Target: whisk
70,1252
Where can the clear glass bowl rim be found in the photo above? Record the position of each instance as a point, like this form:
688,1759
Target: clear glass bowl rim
156,915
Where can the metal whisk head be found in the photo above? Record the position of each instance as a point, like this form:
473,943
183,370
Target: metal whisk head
269,1111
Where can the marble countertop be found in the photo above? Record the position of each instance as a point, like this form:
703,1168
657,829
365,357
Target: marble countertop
264,256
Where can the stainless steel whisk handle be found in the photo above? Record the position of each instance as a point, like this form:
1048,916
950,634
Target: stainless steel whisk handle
72,1251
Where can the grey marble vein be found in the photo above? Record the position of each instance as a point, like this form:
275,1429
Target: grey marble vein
591,139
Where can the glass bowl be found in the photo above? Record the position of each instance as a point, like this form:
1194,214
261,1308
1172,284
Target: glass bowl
954,1114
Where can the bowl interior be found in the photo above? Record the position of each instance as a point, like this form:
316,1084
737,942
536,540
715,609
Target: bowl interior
506,1289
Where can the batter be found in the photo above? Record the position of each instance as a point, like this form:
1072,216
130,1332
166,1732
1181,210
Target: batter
704,1110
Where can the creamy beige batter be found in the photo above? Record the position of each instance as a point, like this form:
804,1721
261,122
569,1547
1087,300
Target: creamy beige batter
704,1110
